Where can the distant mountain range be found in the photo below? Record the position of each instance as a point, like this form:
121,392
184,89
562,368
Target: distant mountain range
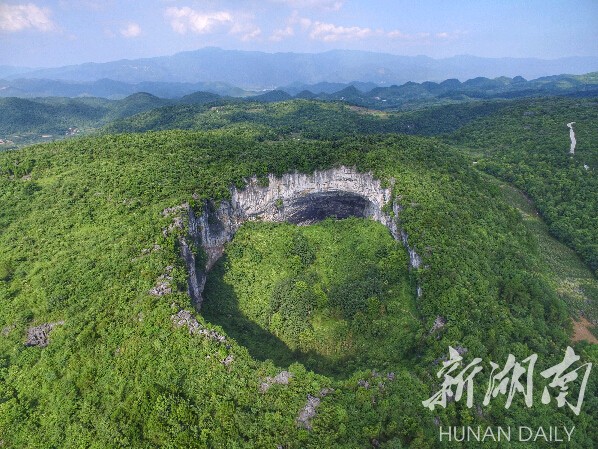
25,121
363,93
252,70
413,95
111,89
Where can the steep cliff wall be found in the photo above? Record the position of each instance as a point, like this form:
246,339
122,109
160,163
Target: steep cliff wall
296,198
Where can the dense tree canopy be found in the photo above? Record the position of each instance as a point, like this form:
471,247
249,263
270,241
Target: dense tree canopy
82,245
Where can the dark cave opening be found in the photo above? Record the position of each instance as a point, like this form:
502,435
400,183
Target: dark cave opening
315,207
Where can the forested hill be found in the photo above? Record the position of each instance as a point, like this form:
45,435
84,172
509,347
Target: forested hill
527,144
26,121
366,94
98,332
415,95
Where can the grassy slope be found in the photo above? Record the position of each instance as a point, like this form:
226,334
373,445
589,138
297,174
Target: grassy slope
571,278
527,144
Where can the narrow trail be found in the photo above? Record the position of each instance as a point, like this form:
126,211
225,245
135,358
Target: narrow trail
572,136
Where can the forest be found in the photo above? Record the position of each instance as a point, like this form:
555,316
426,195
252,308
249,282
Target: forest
297,319
37,112
524,142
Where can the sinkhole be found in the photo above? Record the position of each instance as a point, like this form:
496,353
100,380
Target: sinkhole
308,268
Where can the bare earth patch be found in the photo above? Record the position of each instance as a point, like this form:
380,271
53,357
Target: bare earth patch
581,331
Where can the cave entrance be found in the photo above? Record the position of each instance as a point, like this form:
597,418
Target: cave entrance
315,207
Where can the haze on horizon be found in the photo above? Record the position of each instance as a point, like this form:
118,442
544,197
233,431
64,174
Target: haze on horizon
50,33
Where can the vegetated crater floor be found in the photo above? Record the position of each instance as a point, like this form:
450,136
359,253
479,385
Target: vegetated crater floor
336,296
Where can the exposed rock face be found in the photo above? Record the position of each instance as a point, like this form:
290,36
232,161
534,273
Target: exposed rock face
281,378
40,335
439,323
186,319
309,411
297,198
163,286
228,360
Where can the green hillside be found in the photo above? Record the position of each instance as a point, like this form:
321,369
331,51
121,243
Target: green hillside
527,144
522,141
82,246
26,121
572,279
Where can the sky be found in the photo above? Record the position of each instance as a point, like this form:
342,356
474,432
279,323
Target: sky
50,33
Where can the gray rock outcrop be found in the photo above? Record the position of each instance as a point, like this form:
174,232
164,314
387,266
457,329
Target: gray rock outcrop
40,335
163,283
184,318
310,410
281,378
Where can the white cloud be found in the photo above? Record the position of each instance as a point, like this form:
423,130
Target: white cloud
397,34
295,19
187,19
247,31
451,35
282,33
254,34
131,30
328,5
425,37
329,32
21,17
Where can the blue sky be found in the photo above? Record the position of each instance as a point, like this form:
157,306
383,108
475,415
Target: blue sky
40,33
